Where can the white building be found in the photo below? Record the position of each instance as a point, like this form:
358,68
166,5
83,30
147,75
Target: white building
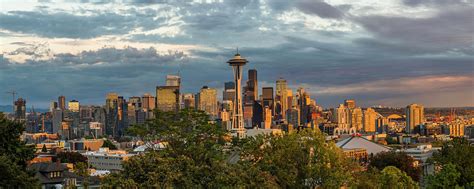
421,154
106,159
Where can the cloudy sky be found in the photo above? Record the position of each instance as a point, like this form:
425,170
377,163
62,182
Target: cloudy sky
390,52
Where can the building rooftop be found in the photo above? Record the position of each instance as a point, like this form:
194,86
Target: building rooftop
360,142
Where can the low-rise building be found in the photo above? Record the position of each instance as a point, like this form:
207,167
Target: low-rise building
54,175
105,159
421,154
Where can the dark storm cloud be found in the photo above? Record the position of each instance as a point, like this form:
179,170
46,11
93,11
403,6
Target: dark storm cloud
129,71
434,2
315,7
320,8
448,31
395,49
63,24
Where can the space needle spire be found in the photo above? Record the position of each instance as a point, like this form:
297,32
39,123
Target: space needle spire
237,62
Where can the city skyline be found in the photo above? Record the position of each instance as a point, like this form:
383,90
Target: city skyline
336,53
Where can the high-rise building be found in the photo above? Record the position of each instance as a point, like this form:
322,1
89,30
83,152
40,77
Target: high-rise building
73,106
356,118
148,101
251,90
111,108
250,95
267,98
281,98
229,91
135,101
414,116
173,80
122,115
350,103
456,128
293,116
52,106
20,109
57,120
304,102
341,117
237,62
370,120
290,99
167,98
208,101
189,100
62,102
267,118
257,117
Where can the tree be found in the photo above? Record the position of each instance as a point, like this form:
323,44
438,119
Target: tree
298,160
199,154
81,169
44,150
71,157
193,153
366,179
448,177
398,159
109,144
14,155
459,153
394,178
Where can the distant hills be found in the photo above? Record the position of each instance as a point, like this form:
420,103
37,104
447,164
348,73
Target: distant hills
9,108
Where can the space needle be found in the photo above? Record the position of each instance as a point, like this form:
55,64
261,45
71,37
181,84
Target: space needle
237,62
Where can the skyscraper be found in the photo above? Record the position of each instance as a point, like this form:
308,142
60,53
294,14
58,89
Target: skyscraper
52,106
62,102
173,80
257,117
267,98
356,118
303,101
341,115
293,117
148,101
20,109
267,118
370,120
252,84
208,101
136,102
73,106
111,109
281,98
167,98
229,91
350,103
189,100
414,116
237,62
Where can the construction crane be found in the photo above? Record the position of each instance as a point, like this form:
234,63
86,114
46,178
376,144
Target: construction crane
13,93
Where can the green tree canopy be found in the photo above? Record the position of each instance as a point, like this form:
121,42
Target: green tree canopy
459,153
109,144
14,155
71,157
198,154
394,178
193,153
298,160
398,159
448,177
